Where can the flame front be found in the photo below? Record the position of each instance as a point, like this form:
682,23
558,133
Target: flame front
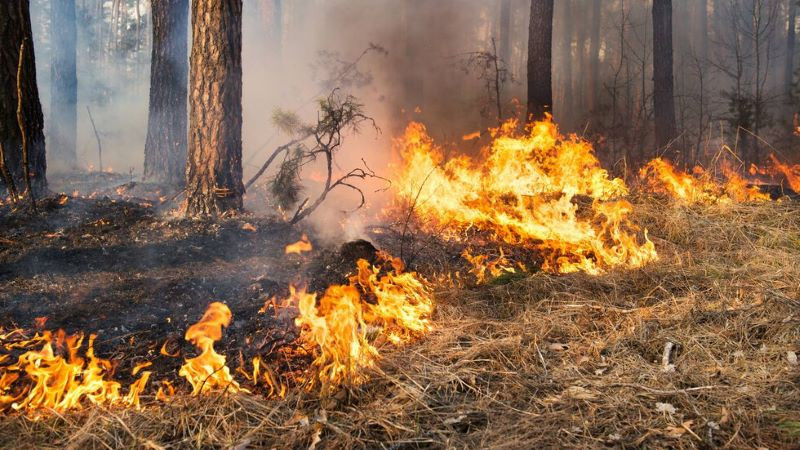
525,192
339,325
700,186
44,380
208,372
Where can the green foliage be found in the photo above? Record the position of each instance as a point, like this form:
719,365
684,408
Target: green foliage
285,187
790,426
287,121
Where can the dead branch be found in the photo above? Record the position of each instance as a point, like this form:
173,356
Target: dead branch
272,157
358,173
21,123
97,136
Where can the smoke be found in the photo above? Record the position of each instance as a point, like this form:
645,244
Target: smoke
293,49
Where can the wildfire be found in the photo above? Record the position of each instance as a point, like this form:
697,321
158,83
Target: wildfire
303,245
208,372
701,187
396,305
792,173
45,380
525,191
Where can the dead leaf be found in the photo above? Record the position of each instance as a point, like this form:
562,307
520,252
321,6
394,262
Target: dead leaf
579,393
299,419
249,227
674,432
665,408
791,357
557,347
315,439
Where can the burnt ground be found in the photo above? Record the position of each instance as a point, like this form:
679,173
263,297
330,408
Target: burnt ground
111,259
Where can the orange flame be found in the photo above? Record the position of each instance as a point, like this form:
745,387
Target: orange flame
338,325
44,380
303,245
208,372
792,173
524,192
699,187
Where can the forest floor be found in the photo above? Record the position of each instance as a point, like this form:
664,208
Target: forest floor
533,361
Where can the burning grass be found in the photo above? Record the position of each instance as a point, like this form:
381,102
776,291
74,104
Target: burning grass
545,360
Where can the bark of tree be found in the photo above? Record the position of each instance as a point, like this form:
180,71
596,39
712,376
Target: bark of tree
63,120
165,147
540,37
214,167
564,111
663,97
15,28
788,74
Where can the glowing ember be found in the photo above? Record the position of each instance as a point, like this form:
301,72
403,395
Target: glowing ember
339,324
524,192
303,245
208,372
45,380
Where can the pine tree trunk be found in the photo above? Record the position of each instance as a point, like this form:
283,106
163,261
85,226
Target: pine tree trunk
214,169
165,147
564,111
63,119
15,28
788,74
540,37
663,98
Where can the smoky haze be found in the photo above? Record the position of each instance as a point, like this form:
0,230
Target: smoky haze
602,75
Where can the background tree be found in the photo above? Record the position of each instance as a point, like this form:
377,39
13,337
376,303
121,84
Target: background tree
540,37
214,167
165,147
63,118
663,84
15,30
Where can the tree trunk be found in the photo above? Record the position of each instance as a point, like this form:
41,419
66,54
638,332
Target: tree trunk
564,110
15,28
540,37
63,120
788,74
214,170
663,98
165,147
594,55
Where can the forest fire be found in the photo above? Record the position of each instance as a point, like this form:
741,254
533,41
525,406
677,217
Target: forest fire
208,372
395,305
44,380
343,329
527,191
700,186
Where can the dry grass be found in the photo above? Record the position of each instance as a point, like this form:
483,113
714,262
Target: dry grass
546,361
